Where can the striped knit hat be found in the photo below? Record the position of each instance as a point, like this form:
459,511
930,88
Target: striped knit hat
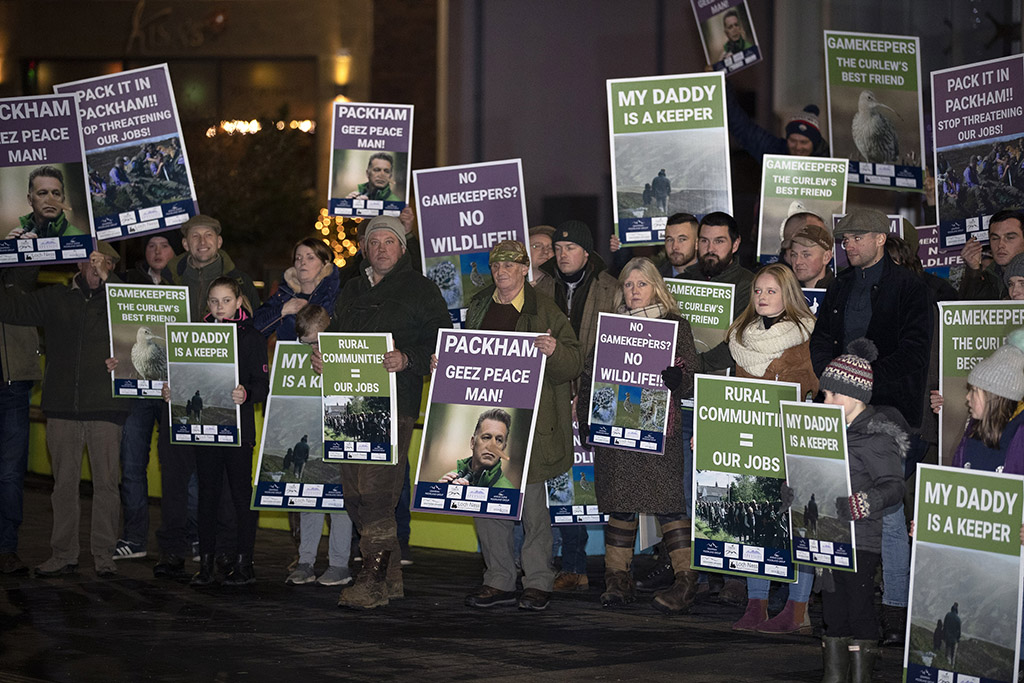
851,374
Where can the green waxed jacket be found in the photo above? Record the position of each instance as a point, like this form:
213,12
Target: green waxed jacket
552,437
492,477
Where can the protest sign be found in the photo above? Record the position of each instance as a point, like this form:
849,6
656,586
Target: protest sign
727,34
792,185
139,177
572,498
371,157
739,468
202,373
463,212
934,259
813,297
978,112
969,331
875,117
41,158
818,471
669,152
291,473
963,621
137,316
478,430
708,306
360,414
628,399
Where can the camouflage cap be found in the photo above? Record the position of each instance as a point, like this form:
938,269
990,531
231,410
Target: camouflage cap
510,250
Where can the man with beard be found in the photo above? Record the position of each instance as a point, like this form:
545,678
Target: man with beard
680,245
488,447
717,244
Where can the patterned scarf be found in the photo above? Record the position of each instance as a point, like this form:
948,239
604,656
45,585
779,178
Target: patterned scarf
653,311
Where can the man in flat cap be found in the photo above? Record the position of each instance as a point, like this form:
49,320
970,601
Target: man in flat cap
891,306
511,304
389,295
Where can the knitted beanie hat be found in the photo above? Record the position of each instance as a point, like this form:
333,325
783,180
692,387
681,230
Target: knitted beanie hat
851,374
806,123
1002,373
1015,268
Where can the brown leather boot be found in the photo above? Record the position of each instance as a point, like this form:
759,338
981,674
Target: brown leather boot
679,597
619,589
370,589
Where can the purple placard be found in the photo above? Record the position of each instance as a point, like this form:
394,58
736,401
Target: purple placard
979,121
628,400
370,159
40,135
723,52
935,259
572,498
463,212
478,430
138,171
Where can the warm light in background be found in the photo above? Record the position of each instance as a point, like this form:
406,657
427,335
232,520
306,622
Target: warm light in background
343,241
248,127
342,67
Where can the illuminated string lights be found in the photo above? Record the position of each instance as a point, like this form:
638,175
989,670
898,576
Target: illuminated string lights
338,233
253,126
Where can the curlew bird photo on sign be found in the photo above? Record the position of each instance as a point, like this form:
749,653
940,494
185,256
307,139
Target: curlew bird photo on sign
874,132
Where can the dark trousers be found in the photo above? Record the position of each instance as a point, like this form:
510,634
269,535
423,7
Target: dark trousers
214,466
135,442
14,398
850,609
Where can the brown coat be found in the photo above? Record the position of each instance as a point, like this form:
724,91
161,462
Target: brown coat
630,481
794,365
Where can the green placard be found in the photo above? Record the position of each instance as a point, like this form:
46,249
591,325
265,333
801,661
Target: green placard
737,427
706,305
804,178
359,399
654,105
201,343
813,430
970,509
293,373
969,331
137,316
872,61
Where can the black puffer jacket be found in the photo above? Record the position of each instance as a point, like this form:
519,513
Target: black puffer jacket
877,447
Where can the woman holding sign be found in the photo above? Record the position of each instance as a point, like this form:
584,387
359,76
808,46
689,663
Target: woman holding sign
769,340
628,482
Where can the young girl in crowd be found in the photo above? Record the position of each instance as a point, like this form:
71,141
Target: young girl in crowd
876,448
227,305
769,340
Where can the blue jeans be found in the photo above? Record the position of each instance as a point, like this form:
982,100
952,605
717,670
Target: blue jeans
895,559
135,442
14,399
574,548
757,589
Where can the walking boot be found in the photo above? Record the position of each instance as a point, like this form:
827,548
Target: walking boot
395,584
679,597
835,654
755,615
242,574
661,576
618,589
370,589
863,654
894,626
207,567
792,619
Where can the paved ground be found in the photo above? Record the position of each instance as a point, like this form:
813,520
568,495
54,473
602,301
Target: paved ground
134,627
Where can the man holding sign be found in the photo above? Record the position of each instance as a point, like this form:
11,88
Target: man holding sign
511,305
389,296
